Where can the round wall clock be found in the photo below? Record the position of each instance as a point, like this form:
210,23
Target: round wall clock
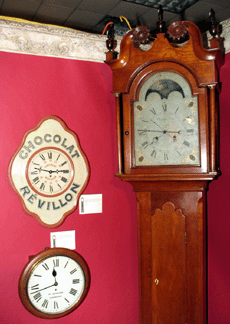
49,171
54,283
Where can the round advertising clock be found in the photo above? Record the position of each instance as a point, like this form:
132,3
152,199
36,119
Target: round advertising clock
54,283
49,171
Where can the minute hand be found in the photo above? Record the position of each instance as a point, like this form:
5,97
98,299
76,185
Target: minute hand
150,130
55,284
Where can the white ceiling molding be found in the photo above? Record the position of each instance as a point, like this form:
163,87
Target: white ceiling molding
21,36
25,37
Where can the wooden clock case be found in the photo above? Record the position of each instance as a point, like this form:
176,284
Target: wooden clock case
171,200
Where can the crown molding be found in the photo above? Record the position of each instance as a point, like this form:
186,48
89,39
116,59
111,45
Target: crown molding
21,36
25,37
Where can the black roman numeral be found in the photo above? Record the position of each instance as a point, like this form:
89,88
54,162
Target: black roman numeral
50,155
166,156
153,111
73,291
76,281
37,296
35,287
45,303
186,143
63,163
45,266
56,262
42,187
72,271
36,180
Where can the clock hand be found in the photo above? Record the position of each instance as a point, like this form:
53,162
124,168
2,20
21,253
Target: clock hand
179,132
54,273
150,130
40,169
164,131
34,292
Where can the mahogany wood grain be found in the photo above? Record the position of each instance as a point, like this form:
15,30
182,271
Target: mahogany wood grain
171,199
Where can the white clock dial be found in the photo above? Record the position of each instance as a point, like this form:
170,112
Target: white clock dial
166,122
50,171
55,284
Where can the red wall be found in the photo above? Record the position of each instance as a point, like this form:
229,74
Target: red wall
32,87
219,215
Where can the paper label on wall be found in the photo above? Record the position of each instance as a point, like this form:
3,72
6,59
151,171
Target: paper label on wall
65,239
90,204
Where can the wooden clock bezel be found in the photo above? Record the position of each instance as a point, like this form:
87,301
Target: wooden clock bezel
25,274
128,121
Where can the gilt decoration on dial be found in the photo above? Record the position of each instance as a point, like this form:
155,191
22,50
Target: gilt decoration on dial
166,122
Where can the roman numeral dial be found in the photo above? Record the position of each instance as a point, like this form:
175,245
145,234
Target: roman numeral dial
50,172
166,128
56,282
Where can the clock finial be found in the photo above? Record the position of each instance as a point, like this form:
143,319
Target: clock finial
160,23
213,27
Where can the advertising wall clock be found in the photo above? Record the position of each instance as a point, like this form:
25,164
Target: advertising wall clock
54,283
49,171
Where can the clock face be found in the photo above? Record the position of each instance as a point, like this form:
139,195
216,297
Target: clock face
54,285
166,122
50,172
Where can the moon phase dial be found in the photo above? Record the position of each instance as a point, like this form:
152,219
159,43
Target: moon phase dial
50,172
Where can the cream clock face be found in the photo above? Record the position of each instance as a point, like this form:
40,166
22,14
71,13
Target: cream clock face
49,171
166,122
54,283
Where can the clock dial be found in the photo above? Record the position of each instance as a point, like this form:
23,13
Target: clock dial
54,283
50,171
166,122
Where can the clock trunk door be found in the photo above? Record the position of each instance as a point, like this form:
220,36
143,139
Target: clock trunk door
169,266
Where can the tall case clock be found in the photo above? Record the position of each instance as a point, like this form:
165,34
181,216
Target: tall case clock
166,95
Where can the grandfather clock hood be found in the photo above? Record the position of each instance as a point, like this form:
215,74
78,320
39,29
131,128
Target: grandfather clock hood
166,92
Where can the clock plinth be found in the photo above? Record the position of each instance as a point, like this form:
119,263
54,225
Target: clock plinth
167,150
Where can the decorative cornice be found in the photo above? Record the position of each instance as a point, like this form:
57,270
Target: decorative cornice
225,35
21,36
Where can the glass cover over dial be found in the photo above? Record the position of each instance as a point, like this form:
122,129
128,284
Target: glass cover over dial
166,123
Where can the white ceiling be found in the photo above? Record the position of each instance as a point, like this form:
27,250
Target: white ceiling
87,15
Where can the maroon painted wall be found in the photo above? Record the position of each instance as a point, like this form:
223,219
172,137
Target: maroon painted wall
32,87
219,215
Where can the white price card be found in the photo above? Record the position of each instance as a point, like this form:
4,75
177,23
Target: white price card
65,239
90,204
